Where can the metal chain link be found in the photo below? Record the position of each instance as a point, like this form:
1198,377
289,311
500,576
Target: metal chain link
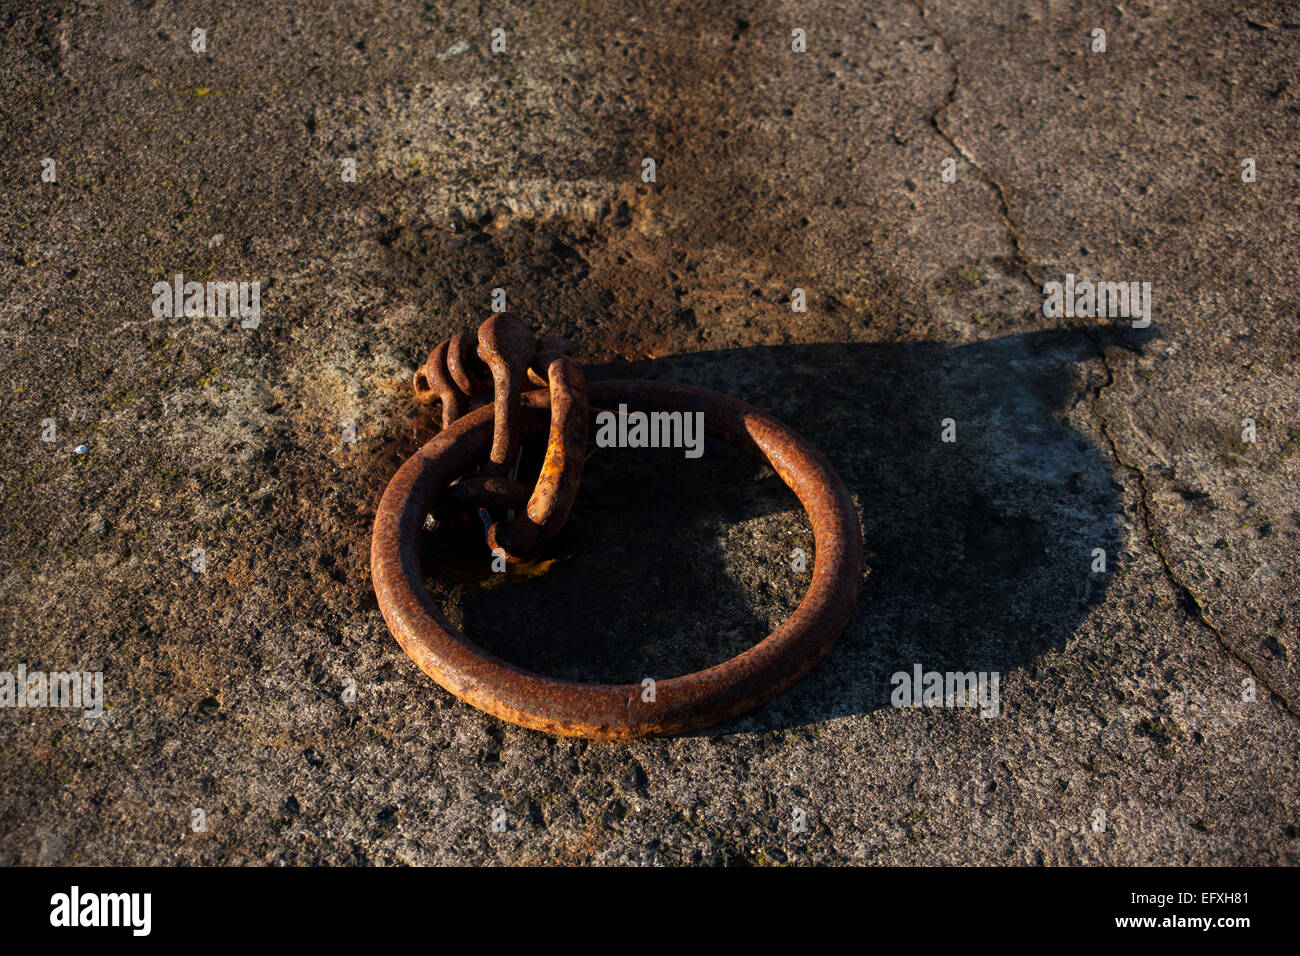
500,360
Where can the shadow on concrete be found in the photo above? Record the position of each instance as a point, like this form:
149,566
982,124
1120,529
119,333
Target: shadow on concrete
979,552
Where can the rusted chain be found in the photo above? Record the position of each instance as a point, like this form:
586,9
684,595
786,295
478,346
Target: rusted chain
506,346
496,361
566,453
466,368
433,381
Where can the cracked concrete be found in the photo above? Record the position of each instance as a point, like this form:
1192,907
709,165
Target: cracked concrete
1125,691
1265,667
1035,275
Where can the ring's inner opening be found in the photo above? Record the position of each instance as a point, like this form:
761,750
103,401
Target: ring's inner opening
667,565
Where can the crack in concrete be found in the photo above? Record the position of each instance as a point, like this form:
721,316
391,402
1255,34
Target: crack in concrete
937,121
1189,599
1191,603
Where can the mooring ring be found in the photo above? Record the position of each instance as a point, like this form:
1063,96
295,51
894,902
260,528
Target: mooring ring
610,711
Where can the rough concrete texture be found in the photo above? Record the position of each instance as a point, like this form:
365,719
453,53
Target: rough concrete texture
1120,691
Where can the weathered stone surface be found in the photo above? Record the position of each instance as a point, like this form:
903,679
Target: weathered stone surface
1120,691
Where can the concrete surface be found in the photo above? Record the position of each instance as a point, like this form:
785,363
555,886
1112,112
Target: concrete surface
1120,691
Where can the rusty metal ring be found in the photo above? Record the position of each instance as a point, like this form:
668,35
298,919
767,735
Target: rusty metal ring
606,711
